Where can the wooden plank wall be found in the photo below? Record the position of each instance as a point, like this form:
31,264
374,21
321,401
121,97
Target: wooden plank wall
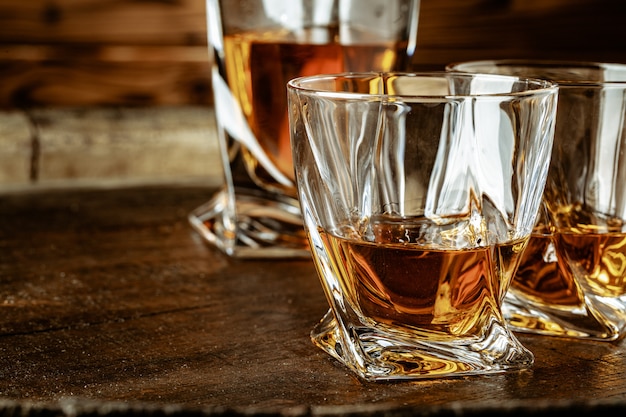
153,52
103,52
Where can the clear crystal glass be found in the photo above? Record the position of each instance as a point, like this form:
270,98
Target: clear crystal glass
256,47
572,280
419,193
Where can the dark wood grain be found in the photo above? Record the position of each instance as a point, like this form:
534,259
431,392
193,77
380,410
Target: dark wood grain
457,30
60,80
111,305
111,22
108,52
153,52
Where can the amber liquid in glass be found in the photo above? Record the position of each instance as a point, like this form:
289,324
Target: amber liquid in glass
432,292
573,276
258,67
599,260
542,279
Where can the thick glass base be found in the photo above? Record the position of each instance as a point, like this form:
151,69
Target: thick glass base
250,226
593,319
378,355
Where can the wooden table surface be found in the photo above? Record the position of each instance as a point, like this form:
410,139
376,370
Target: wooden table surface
112,305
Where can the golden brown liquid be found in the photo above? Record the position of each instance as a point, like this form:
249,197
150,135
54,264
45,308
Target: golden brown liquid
598,259
259,65
436,292
541,278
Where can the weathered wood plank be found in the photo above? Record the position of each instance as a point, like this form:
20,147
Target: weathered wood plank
113,22
152,52
47,146
111,305
16,137
454,30
74,82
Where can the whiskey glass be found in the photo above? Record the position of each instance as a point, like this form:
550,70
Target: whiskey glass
572,278
256,47
419,192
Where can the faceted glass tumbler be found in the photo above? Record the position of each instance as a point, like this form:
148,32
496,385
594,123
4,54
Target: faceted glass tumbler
572,279
256,46
419,193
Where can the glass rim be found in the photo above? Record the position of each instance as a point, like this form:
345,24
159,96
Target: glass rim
553,64
541,85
